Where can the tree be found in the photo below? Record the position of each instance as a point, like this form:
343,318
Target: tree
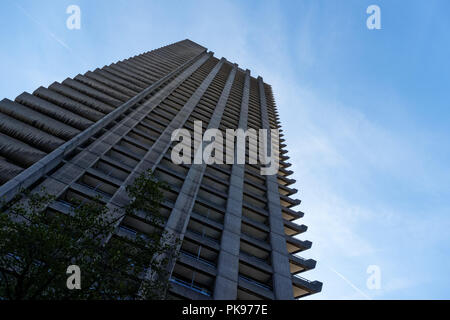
38,245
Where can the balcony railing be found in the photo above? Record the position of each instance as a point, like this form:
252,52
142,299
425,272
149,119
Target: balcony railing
254,257
203,235
191,286
65,204
130,232
193,256
95,189
256,283
209,216
304,279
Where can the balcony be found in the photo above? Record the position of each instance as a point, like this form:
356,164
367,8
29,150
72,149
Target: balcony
255,220
112,168
295,245
293,229
288,202
197,263
303,287
255,283
253,230
255,201
87,191
199,251
197,258
255,249
196,236
126,232
289,214
284,181
257,244
253,290
193,279
298,264
255,213
256,262
285,164
285,173
124,156
207,220
188,290
215,197
286,191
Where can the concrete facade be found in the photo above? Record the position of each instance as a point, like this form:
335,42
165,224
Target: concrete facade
94,134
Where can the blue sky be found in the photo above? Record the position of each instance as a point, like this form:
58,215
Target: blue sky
365,112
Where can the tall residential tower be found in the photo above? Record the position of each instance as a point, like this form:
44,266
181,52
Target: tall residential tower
94,134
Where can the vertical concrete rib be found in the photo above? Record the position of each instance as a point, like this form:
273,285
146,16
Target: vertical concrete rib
162,144
179,217
228,263
282,282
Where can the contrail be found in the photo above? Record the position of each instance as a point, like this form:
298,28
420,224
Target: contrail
51,34
351,284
